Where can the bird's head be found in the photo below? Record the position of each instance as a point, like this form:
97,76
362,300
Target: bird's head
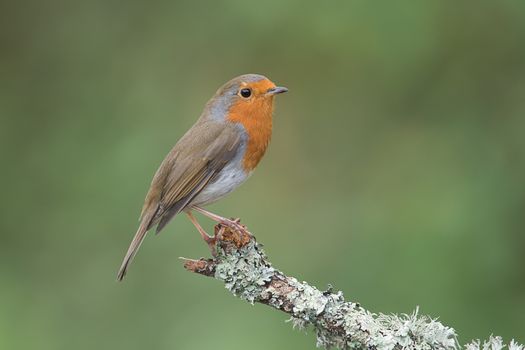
246,98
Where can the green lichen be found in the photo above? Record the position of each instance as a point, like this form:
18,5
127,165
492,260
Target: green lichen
338,324
493,343
308,301
244,271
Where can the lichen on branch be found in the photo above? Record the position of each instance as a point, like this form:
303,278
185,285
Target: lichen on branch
239,261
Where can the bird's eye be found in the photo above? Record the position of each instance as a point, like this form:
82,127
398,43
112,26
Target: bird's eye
246,93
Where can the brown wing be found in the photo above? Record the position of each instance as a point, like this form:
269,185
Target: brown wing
198,156
197,159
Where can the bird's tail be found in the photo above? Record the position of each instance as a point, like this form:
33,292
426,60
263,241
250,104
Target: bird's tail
133,248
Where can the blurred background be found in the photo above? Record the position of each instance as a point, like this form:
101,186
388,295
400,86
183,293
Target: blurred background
396,171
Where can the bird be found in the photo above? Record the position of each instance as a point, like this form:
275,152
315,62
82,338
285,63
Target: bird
214,157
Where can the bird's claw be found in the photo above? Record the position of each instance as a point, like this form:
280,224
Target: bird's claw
234,224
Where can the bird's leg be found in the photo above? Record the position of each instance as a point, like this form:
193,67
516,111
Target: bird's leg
233,224
212,216
206,237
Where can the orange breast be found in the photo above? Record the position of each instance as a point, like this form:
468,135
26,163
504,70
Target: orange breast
256,117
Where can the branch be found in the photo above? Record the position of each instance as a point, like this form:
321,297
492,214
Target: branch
241,264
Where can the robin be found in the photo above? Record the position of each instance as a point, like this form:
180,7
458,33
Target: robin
214,157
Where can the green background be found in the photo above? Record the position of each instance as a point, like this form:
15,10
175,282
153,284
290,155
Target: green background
396,170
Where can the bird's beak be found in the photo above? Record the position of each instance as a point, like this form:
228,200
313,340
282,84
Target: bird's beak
276,90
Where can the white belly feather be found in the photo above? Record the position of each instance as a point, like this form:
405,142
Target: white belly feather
231,177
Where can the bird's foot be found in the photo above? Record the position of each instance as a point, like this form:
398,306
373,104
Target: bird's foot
210,240
234,224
